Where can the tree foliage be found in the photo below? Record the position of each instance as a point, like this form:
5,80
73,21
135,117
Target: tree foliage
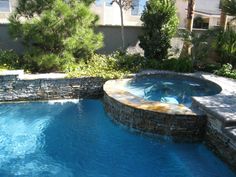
225,45
56,33
159,26
229,7
30,8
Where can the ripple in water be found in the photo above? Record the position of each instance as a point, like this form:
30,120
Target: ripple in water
64,139
171,89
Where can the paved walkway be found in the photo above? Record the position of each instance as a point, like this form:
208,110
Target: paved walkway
222,105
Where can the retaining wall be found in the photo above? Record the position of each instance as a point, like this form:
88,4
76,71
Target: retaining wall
14,89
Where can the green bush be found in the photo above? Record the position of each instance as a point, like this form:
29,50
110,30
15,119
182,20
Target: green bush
200,46
209,67
225,45
9,59
159,26
227,71
133,63
62,32
48,62
178,65
120,65
99,66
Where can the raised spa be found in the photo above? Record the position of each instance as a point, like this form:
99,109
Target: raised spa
160,103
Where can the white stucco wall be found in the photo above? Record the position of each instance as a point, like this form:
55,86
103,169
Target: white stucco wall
110,15
181,6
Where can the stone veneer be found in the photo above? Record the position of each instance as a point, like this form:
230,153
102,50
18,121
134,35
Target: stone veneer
13,88
220,136
180,128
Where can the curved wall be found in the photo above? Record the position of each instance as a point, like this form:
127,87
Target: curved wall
176,121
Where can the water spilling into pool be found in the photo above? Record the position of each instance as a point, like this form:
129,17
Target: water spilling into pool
65,139
171,88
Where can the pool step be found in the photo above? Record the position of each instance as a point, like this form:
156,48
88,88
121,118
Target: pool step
231,132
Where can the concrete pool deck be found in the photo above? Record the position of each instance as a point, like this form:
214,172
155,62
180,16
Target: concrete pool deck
222,105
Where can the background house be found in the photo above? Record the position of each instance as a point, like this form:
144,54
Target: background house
207,12
6,7
207,15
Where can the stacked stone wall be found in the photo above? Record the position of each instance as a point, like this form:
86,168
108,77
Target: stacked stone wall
14,89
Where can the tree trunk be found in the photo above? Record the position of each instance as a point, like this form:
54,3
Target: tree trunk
223,20
122,27
190,15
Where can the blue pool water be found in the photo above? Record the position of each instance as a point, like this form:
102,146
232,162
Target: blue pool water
78,139
171,89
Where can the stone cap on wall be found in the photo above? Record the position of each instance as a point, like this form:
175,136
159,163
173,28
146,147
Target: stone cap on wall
19,74
113,88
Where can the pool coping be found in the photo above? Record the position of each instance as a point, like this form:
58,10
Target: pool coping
127,98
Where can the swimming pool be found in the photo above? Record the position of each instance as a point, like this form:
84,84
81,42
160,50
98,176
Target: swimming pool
76,138
170,88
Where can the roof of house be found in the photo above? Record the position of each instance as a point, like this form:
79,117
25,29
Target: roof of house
209,7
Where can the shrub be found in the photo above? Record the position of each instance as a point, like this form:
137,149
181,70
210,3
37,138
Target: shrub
63,28
227,71
99,66
119,65
200,45
178,65
209,67
133,63
159,26
9,59
48,62
225,45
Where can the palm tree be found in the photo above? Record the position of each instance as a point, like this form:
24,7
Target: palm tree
228,7
190,15
223,20
189,25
